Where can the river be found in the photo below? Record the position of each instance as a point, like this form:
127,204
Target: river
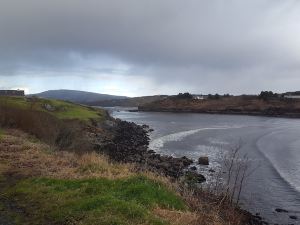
273,144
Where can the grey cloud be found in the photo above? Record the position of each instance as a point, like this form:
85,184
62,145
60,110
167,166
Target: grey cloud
206,41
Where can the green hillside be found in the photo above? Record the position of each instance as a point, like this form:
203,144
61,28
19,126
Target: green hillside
57,108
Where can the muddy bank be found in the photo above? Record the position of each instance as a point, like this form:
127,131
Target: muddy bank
268,113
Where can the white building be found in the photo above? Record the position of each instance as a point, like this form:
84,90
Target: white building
200,97
292,96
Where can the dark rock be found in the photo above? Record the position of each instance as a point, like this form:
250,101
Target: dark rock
194,177
144,126
211,171
281,210
258,217
193,168
293,217
109,123
49,107
128,142
251,219
186,161
203,160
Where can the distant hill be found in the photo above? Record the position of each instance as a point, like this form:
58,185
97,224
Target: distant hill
128,102
77,96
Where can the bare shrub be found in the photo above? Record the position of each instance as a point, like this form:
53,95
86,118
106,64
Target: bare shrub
231,179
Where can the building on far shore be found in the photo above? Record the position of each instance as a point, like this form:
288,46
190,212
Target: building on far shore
295,94
292,96
12,93
200,97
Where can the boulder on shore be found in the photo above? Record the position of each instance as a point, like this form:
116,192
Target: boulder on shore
193,168
293,217
193,177
281,210
203,160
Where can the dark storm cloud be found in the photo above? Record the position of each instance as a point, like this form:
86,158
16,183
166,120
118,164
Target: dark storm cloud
209,42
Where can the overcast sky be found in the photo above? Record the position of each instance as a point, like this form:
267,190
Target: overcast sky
144,47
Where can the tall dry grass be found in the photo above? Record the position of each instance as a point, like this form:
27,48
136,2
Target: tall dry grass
51,130
28,156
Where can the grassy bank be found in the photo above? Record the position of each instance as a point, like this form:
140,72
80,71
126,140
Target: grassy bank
58,123
93,201
41,186
59,109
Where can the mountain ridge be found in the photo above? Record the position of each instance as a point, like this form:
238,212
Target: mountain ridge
76,96
128,102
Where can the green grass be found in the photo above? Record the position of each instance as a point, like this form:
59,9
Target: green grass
61,109
94,201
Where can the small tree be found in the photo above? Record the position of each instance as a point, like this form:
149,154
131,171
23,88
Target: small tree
266,95
185,95
215,96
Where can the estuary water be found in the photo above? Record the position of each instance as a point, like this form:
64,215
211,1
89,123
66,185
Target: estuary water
273,144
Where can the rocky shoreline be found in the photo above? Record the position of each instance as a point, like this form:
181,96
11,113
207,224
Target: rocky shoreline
128,143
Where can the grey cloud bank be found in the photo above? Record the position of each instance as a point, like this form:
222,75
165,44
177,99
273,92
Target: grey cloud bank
201,46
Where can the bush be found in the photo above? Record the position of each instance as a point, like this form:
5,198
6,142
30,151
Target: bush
266,95
185,95
215,96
